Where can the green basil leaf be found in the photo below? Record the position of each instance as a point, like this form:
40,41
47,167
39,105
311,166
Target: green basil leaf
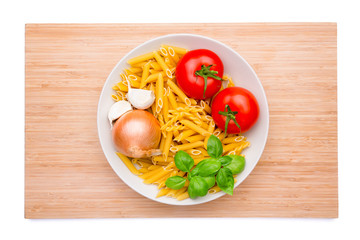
175,182
183,161
198,187
225,180
225,160
210,180
237,164
195,171
209,167
214,147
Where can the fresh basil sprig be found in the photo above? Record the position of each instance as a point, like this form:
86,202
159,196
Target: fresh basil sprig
216,169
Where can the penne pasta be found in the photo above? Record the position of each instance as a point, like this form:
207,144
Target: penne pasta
135,70
195,138
153,167
197,160
115,97
151,173
230,147
163,51
141,58
204,125
205,106
158,175
194,152
186,146
221,136
162,180
155,66
169,62
162,64
163,192
210,130
143,170
128,163
154,77
193,101
166,149
139,65
214,189
177,50
165,109
162,159
231,83
203,151
162,143
143,164
239,149
153,71
159,93
179,92
173,54
183,196
172,99
180,191
195,127
122,86
145,75
184,135
234,139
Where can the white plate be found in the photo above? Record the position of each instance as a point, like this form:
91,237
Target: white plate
234,65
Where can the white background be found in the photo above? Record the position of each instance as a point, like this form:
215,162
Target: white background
14,15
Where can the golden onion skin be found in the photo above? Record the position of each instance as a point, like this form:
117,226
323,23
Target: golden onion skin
137,134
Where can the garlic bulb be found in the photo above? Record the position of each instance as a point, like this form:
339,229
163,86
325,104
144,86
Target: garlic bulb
140,98
118,109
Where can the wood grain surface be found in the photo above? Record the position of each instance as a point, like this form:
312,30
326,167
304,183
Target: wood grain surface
67,175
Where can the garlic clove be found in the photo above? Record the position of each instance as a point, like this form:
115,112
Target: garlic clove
140,98
118,109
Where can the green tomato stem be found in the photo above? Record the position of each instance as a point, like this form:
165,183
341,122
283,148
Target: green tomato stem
205,72
230,115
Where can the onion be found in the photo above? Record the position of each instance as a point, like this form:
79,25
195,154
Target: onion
137,134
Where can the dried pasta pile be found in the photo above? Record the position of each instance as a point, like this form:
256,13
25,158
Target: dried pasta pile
186,123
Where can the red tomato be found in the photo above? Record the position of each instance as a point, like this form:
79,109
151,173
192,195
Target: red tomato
199,73
235,110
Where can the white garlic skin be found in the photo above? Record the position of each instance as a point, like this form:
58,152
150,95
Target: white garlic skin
140,98
118,109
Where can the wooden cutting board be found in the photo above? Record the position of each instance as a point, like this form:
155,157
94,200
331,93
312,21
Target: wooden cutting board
67,175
